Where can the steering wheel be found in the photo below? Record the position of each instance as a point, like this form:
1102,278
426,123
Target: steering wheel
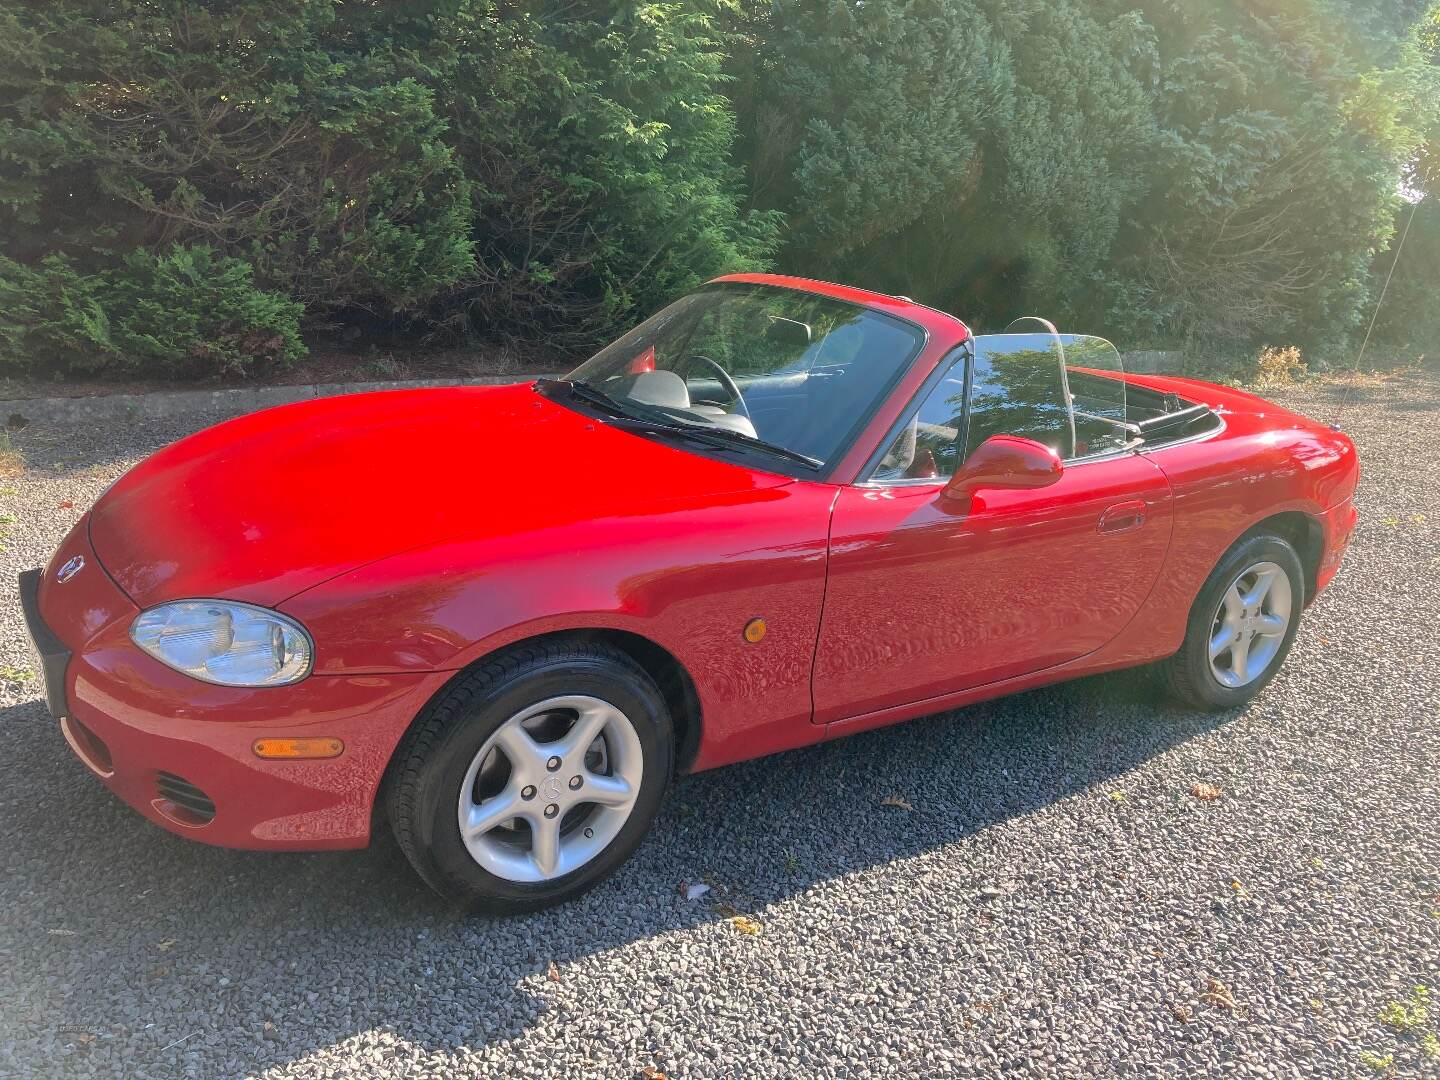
728,385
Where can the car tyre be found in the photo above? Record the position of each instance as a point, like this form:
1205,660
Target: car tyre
438,757
1191,674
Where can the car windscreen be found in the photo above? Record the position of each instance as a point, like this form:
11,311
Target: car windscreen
784,367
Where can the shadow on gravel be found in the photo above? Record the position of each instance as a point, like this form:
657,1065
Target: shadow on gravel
111,920
57,451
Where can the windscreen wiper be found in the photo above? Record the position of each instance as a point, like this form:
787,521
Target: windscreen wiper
588,394
658,420
717,436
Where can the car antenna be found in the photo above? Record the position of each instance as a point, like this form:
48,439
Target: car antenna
1399,246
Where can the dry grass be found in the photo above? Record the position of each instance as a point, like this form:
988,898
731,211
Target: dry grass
1279,366
12,461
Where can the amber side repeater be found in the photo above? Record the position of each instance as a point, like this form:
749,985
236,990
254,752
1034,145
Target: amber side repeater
297,748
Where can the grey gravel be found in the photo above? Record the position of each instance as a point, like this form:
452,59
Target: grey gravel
1057,903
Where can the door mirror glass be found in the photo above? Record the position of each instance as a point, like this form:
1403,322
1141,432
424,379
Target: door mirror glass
1004,461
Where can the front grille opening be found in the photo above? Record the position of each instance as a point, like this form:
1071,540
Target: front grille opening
187,804
88,746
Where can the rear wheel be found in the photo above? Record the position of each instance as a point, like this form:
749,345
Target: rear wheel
532,777
1241,626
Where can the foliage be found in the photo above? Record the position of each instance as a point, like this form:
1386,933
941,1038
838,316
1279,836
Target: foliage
1408,323
1167,172
286,134
185,184
1408,1016
1277,176
599,146
1279,366
974,156
184,312
357,158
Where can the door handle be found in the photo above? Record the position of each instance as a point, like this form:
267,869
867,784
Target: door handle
1123,516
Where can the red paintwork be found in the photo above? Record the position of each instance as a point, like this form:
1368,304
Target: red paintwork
1022,582
415,532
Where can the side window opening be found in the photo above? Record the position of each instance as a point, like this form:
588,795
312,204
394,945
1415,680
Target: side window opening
928,445
1065,391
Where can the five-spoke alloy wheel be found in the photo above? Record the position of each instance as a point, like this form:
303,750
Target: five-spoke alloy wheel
550,788
1250,624
533,775
1241,625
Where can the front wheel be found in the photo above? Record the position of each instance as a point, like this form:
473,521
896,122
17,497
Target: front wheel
1241,626
532,777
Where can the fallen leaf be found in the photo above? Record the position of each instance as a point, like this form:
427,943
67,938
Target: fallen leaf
67,505
1117,796
652,1072
552,972
1206,792
696,890
1218,994
745,924
1180,1012
897,801
166,945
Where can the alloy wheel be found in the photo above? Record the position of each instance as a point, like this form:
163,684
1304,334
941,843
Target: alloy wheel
550,788
1250,624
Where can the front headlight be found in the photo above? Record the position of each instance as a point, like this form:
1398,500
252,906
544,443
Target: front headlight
221,641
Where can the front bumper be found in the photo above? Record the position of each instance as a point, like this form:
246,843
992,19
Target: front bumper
179,751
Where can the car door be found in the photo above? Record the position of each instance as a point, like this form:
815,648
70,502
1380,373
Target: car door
922,602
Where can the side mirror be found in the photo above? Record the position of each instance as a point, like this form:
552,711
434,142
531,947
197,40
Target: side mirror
1003,461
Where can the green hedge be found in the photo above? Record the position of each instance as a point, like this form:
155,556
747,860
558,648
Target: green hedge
469,166
186,312
185,187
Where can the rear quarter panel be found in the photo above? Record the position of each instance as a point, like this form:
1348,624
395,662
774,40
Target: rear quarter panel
1266,461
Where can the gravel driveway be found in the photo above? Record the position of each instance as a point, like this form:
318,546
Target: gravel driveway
1049,898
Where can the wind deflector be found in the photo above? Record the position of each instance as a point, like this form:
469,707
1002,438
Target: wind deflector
1018,387
1099,396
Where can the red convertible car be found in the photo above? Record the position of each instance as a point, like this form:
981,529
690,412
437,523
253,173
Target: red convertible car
778,512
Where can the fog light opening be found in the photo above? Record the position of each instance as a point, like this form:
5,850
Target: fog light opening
88,746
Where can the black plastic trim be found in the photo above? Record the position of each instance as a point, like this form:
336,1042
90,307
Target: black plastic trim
54,657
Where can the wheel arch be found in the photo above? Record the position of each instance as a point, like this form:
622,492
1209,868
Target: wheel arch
673,680
1304,533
